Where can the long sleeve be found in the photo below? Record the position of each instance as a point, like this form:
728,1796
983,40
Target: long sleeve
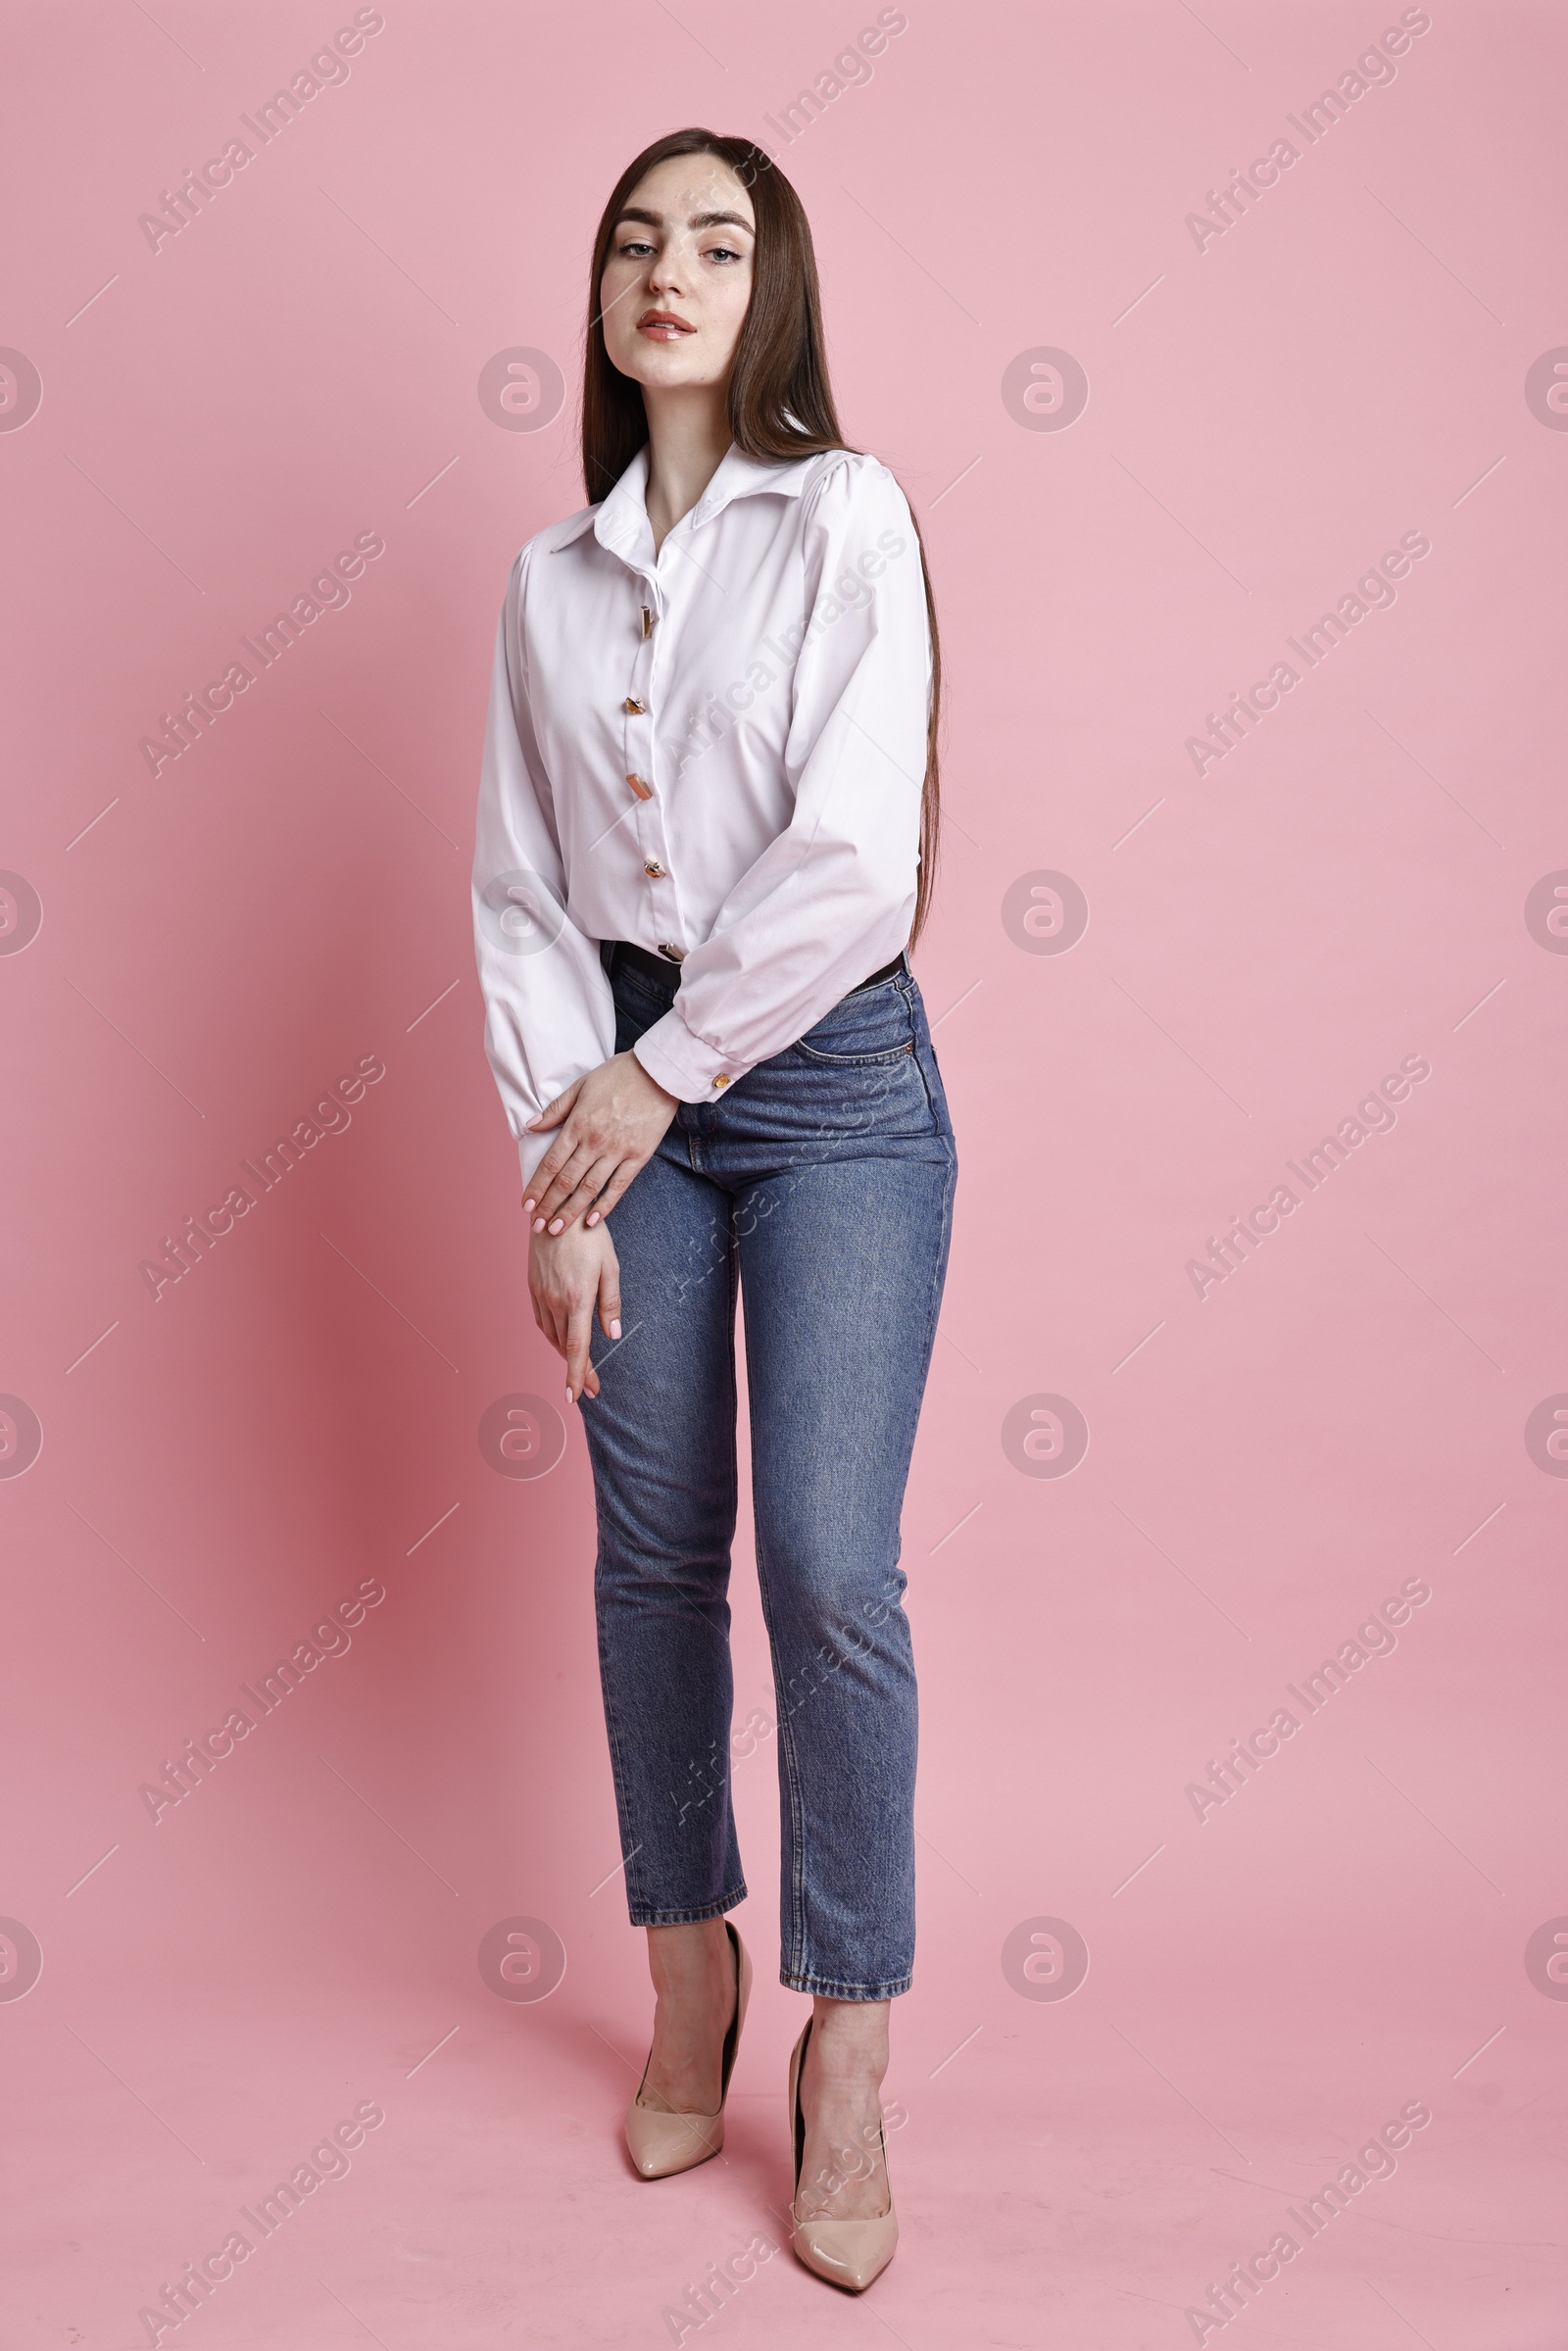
549,1016
831,898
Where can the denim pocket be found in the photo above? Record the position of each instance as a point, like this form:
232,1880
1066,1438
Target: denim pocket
874,1026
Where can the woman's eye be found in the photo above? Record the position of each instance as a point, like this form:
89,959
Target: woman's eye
635,248
724,253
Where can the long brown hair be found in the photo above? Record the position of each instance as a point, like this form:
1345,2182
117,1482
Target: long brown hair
780,399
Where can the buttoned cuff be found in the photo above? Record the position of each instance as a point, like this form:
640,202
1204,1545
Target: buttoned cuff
681,1062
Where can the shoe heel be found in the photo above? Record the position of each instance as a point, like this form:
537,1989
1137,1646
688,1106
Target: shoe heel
851,2254
662,2144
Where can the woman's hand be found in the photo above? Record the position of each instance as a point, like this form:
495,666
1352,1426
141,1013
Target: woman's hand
611,1124
568,1277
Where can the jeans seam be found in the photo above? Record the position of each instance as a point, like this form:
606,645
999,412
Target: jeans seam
827,1989
692,1914
939,1272
920,1053
618,1776
881,1060
786,1748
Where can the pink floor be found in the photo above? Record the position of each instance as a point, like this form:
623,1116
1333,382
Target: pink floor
1051,2188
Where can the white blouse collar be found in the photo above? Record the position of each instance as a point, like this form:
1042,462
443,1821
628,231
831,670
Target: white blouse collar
620,520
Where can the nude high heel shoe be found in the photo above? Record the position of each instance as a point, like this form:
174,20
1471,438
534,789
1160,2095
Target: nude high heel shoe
662,2144
848,2253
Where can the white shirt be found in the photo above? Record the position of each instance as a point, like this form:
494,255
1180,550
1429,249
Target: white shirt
718,750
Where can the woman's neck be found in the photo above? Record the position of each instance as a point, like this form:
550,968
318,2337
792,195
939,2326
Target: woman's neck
688,435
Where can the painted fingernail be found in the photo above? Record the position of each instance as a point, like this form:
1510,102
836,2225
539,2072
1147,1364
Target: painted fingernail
527,1207
538,1224
569,1395
614,1330
560,1225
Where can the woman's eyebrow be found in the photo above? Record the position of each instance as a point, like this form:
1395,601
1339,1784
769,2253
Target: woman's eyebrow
636,211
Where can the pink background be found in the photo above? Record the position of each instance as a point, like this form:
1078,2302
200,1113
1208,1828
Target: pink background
1266,1465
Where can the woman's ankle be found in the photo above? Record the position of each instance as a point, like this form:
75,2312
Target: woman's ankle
849,2039
684,1959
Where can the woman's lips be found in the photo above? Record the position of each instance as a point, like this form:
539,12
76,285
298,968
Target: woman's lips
663,328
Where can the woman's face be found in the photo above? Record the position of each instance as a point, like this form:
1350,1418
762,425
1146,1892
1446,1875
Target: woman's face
678,278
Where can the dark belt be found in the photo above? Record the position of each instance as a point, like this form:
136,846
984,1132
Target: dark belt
662,969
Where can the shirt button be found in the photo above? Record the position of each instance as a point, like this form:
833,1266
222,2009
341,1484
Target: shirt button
647,621
721,1079
676,955
633,707
654,870
644,791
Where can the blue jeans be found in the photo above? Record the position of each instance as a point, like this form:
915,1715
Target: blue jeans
821,1186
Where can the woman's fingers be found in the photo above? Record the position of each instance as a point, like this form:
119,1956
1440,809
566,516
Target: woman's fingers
584,1194
602,1173
579,1328
554,1113
545,1174
545,1318
578,1153
568,1278
615,1112
565,1141
609,1300
611,1190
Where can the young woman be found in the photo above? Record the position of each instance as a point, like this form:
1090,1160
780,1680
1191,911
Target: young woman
706,829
